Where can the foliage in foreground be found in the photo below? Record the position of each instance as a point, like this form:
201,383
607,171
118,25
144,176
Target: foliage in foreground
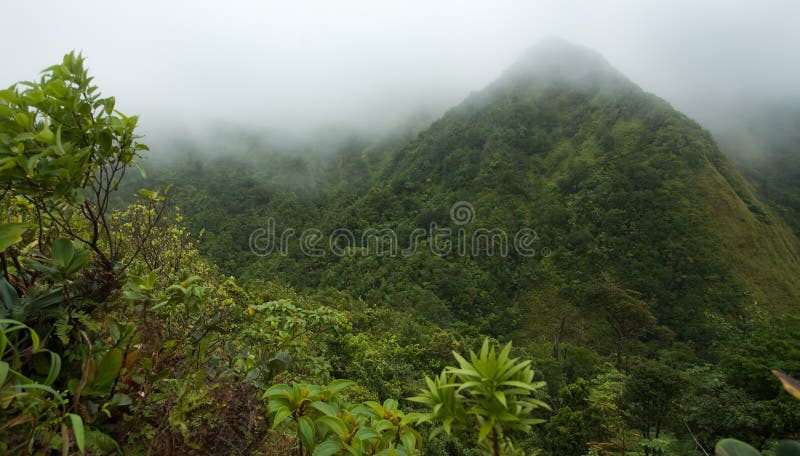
491,393
489,396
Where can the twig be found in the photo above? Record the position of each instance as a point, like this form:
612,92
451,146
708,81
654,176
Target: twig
84,374
695,439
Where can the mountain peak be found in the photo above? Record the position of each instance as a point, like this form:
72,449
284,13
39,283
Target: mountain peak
558,60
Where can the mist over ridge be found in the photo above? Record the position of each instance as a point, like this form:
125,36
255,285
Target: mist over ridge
189,67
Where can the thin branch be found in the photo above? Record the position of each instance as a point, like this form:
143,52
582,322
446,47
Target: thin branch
84,374
152,223
695,439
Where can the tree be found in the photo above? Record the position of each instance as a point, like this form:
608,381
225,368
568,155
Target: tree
605,396
63,151
649,395
574,422
623,310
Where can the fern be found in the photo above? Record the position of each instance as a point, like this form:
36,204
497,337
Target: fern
63,327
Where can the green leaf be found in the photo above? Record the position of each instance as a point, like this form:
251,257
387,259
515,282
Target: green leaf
276,366
390,404
485,429
327,448
104,140
305,429
14,325
46,136
485,349
4,368
409,440
39,386
787,448
733,447
280,416
77,429
518,384
147,194
281,390
114,331
22,120
59,144
55,368
139,166
63,251
338,385
335,424
66,259
501,398
121,400
79,261
56,296
325,408
367,433
355,448
108,368
11,233
8,295
108,104
101,443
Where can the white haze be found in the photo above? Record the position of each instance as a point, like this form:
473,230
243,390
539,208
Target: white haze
189,67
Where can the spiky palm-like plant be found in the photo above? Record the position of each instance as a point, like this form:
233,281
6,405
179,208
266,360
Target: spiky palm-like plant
491,393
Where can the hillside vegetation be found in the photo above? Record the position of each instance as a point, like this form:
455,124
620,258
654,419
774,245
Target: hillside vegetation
629,291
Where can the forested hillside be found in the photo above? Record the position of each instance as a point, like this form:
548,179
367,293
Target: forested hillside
562,264
622,192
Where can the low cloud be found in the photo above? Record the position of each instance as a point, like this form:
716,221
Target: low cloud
297,66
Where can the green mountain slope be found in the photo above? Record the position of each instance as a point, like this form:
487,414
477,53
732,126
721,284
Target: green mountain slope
762,137
644,232
614,181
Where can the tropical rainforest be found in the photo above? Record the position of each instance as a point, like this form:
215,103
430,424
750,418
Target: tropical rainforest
631,286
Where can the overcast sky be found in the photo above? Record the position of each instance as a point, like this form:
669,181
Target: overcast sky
300,64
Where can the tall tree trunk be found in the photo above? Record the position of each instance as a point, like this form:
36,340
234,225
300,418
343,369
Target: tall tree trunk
557,339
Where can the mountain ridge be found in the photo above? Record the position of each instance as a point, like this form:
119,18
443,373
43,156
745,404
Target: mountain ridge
621,118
